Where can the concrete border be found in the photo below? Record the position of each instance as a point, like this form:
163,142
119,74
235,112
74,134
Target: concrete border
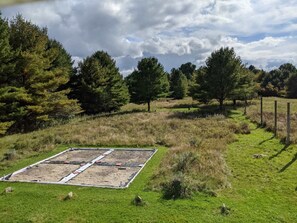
64,180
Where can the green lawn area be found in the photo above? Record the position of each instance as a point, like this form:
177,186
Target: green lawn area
262,190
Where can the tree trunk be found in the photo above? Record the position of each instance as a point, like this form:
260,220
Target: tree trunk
149,106
245,105
234,102
221,104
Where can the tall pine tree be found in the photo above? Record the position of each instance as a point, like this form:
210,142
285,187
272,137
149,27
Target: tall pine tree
98,85
148,82
37,78
220,78
10,96
178,84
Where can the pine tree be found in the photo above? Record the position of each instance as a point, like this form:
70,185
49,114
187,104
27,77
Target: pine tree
292,86
188,69
178,84
148,82
222,76
37,79
98,85
8,102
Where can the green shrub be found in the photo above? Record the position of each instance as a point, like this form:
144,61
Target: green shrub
175,188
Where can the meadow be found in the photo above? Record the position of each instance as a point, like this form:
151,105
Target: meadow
210,153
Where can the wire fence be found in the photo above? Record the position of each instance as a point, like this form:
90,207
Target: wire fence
278,115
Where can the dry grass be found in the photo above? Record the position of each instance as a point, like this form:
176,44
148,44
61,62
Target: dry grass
253,113
184,133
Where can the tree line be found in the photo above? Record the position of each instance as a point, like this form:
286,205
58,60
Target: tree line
38,83
280,82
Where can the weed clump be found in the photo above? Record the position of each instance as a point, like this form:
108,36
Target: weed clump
10,155
242,128
69,196
225,210
184,161
138,201
7,190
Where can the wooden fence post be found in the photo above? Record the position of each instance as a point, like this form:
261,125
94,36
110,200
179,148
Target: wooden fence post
275,118
261,110
288,124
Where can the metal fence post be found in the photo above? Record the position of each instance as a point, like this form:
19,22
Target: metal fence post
261,110
275,118
288,124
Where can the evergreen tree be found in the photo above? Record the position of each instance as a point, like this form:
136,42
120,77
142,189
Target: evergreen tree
7,78
98,85
198,90
274,83
292,86
34,95
178,84
245,88
148,82
188,69
221,77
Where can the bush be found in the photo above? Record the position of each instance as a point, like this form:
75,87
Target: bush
175,188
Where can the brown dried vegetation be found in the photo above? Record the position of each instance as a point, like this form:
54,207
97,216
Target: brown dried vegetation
196,144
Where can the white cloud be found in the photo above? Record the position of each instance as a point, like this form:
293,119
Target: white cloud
262,32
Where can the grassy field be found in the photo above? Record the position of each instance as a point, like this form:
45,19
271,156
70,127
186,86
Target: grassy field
255,190
187,133
253,113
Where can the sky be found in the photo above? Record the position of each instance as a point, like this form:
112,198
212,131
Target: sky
262,32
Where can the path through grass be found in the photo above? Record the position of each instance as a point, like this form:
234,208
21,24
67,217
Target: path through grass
264,189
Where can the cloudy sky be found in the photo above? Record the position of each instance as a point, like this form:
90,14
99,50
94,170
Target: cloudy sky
262,32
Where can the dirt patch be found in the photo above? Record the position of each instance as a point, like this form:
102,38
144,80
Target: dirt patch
45,173
79,155
127,157
109,176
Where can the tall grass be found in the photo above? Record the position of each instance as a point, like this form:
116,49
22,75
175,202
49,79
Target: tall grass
253,112
196,145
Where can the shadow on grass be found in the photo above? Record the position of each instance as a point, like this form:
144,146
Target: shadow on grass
279,152
187,106
205,111
111,114
266,140
288,164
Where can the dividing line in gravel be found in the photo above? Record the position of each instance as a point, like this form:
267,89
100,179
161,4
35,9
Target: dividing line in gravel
84,167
